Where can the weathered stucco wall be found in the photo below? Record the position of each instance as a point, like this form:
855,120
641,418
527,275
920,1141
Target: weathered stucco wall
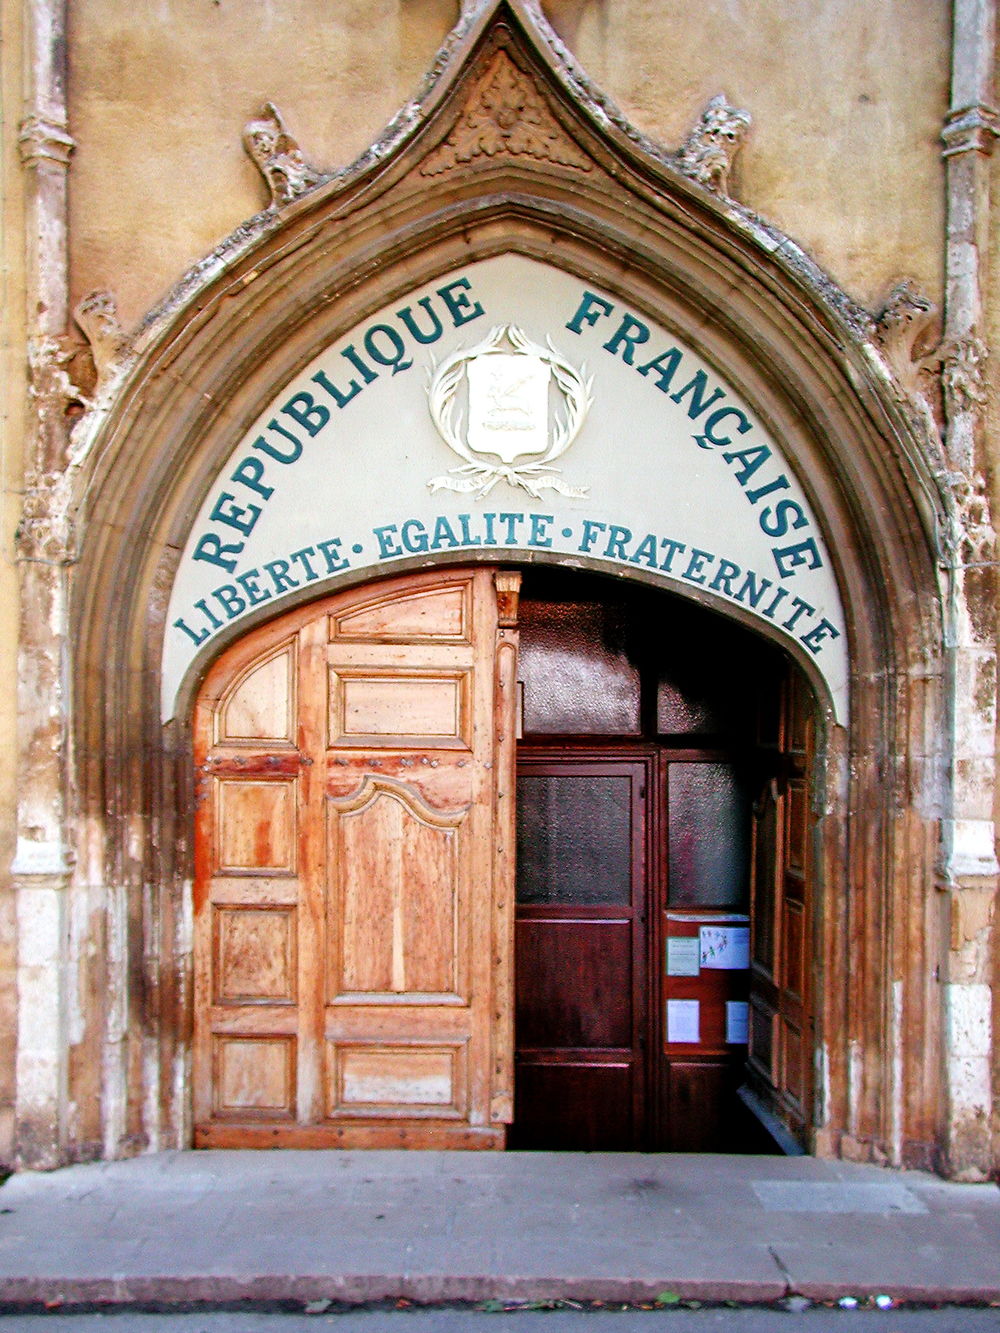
12,404
844,154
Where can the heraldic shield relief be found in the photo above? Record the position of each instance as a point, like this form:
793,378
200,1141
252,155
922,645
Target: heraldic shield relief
509,384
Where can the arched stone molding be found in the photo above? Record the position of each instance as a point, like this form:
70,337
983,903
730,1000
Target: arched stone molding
602,204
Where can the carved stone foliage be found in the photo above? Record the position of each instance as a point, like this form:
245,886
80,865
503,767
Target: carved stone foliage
962,369
505,116
709,151
42,140
45,531
97,316
54,387
975,539
278,157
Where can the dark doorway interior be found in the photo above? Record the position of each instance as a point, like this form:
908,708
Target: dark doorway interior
651,737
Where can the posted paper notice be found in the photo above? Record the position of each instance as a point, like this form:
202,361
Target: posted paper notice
683,1020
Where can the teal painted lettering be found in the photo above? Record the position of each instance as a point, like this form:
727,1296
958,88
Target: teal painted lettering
249,473
696,564
467,537
461,309
230,600
491,538
724,575
801,609
266,447
226,510
387,544
779,484
513,522
664,365
214,551
617,537
303,558
396,356
444,534
414,536
341,399
629,334
255,593
776,522
645,552
814,639
712,425
590,310
280,577
753,589
591,531
750,460
200,637
779,596
538,531
788,558
209,615
350,353
696,387
330,550
304,409
671,547
406,315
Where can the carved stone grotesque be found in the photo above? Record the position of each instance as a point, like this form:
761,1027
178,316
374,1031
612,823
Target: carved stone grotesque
278,157
901,330
97,316
707,154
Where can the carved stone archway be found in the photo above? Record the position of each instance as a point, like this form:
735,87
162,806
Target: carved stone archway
508,151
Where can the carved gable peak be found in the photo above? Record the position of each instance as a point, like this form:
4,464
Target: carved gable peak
504,116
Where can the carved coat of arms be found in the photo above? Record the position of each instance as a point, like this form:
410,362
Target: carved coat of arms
524,405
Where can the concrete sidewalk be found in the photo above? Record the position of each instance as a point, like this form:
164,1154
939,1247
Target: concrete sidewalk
220,1227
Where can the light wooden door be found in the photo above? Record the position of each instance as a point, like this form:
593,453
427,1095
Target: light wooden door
354,872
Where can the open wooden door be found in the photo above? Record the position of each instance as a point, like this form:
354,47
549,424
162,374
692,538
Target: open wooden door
354,872
781,1027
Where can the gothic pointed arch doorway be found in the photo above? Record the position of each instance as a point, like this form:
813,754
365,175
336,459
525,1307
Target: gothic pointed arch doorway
295,422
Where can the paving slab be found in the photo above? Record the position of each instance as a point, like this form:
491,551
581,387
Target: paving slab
223,1226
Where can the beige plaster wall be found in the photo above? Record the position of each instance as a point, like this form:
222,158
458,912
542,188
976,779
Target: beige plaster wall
847,100
12,375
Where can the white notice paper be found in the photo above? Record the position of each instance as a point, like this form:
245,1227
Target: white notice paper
683,956
737,1022
725,946
683,1021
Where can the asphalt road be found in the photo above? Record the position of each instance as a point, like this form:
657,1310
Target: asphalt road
747,1320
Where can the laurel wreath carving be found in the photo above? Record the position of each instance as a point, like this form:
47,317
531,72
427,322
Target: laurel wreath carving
577,393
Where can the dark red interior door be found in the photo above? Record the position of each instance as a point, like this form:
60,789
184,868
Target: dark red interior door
580,941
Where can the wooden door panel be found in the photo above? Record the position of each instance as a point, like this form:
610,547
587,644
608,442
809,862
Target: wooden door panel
254,954
575,1106
412,1079
261,705
254,1076
380,708
354,759
398,873
256,824
438,615
585,999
